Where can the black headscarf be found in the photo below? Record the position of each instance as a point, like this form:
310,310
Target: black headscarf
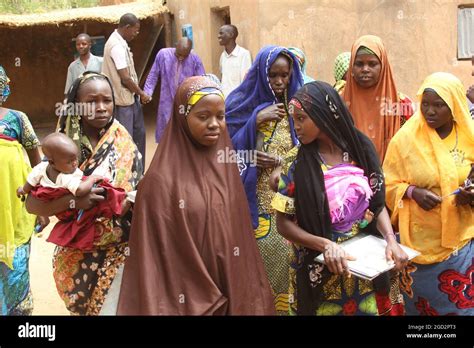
328,111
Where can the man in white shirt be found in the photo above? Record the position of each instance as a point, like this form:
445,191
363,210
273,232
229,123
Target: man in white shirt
235,60
119,66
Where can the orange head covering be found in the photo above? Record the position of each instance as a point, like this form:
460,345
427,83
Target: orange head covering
371,107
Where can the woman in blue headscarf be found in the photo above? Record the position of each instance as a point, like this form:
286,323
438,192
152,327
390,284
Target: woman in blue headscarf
261,131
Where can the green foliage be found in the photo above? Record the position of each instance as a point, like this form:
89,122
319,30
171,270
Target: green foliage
42,6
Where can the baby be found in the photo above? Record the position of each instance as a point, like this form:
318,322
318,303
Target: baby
60,175
61,170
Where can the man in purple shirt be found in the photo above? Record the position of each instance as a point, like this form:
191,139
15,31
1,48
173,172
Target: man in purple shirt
172,66
470,92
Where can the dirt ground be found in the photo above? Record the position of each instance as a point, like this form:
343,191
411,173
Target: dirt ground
45,296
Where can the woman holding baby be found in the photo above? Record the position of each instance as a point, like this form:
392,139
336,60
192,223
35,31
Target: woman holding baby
83,277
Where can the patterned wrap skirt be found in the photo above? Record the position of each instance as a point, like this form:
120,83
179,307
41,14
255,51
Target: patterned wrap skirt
444,288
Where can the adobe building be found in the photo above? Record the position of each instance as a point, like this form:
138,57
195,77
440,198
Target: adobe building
421,36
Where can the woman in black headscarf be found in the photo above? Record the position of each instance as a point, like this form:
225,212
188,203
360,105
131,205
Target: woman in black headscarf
331,188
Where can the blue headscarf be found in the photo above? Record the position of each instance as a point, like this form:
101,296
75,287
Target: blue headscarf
242,106
255,91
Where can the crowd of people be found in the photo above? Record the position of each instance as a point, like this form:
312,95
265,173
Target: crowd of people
317,164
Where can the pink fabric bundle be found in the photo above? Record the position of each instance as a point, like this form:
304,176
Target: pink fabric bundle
348,193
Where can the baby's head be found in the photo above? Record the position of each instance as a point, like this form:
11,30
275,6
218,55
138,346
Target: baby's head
61,152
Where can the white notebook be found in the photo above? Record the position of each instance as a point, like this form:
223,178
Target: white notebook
369,252
131,196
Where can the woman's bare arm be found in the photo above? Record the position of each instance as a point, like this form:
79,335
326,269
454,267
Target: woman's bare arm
291,231
34,156
37,207
334,256
393,250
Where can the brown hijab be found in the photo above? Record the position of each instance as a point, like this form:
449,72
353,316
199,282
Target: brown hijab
367,104
192,246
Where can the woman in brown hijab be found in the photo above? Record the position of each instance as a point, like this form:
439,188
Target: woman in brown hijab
371,94
192,247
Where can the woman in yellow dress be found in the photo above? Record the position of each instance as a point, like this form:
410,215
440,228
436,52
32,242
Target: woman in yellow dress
428,160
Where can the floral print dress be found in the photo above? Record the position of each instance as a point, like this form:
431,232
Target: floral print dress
83,279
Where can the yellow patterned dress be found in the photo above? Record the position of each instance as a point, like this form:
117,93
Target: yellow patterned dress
273,247
16,225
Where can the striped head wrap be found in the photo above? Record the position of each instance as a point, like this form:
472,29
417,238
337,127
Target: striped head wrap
365,50
196,96
300,57
296,103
